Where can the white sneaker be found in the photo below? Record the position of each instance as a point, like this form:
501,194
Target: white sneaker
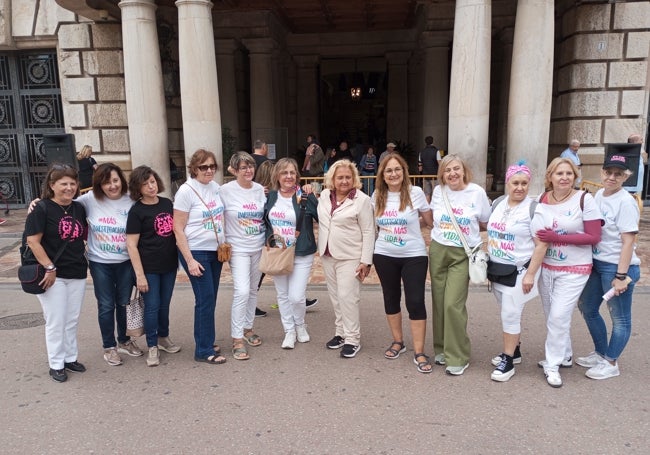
302,335
456,371
566,363
154,357
553,378
589,361
604,370
289,341
112,357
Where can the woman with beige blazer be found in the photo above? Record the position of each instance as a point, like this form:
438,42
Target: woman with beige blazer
346,240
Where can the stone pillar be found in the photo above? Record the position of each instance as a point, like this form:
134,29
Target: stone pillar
145,96
531,83
199,82
261,85
504,39
435,90
306,96
225,49
397,97
6,40
469,93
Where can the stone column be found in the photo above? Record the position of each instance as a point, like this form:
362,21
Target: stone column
504,39
435,90
6,39
397,97
199,82
145,95
531,83
261,85
306,96
225,49
469,93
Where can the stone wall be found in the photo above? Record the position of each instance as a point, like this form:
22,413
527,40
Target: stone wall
601,80
92,88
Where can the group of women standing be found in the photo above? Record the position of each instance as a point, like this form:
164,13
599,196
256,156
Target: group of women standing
135,238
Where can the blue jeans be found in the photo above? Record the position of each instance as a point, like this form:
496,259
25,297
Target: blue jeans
205,289
113,284
620,309
156,305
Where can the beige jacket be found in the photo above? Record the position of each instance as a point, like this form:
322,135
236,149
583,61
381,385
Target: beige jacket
350,231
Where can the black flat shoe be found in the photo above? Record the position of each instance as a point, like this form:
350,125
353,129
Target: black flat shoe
75,366
58,375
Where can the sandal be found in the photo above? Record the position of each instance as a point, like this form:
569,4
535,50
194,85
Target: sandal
239,351
253,339
394,353
422,365
216,359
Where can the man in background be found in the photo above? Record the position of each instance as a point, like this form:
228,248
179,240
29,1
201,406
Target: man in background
428,164
571,153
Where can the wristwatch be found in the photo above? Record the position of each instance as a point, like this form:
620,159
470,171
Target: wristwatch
50,268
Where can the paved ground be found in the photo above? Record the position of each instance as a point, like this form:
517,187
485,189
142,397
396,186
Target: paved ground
309,400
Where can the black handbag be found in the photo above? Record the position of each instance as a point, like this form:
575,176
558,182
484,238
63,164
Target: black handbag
505,274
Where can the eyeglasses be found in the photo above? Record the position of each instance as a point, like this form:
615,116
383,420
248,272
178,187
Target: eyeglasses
205,167
397,170
615,174
250,167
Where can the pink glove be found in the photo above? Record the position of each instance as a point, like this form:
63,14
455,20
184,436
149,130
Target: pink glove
548,235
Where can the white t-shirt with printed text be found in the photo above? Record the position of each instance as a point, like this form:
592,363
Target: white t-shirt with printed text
199,229
470,206
244,216
282,217
621,214
399,231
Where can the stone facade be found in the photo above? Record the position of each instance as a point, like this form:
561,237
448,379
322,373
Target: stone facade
601,91
270,80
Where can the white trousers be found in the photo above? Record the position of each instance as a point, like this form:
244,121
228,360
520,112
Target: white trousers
344,289
559,292
245,278
61,308
291,291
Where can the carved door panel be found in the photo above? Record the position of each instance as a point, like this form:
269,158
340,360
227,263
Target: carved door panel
30,106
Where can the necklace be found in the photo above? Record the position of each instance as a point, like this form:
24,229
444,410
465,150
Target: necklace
65,208
509,211
563,199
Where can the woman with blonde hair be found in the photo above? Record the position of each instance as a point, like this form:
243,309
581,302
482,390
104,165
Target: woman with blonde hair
401,255
448,262
87,166
346,238
573,226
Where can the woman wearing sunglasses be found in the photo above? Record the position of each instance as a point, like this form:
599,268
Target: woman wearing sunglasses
198,226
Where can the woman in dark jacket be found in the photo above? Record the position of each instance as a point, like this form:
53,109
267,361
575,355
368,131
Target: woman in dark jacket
282,212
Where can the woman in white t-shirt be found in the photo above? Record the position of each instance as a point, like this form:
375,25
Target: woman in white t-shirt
572,225
512,242
616,266
198,226
448,262
401,256
244,213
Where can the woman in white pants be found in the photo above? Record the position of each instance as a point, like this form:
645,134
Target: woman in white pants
55,232
573,225
244,201
290,214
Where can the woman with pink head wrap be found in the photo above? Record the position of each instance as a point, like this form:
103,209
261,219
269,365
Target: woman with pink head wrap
513,248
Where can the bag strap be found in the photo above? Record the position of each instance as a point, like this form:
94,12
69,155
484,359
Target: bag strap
301,216
468,250
531,207
214,224
61,248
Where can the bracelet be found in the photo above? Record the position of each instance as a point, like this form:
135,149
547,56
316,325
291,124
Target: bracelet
620,274
621,278
51,270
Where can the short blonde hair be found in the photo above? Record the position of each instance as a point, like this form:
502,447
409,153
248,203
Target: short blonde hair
85,152
467,173
329,177
553,165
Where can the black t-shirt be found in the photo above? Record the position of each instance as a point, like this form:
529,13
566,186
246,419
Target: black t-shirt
86,169
58,227
259,159
157,243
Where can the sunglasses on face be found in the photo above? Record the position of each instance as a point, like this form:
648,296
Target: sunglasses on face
205,167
